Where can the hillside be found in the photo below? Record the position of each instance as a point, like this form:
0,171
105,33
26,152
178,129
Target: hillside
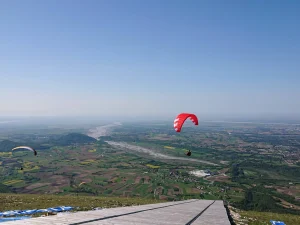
7,145
32,201
74,138
251,177
60,140
4,189
261,218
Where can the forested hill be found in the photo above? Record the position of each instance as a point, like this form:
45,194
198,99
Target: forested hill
74,138
60,140
7,145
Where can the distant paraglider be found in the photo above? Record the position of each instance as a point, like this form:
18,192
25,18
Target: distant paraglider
81,184
179,121
25,147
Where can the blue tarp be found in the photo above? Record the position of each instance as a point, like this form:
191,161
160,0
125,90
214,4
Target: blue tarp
273,222
30,212
13,218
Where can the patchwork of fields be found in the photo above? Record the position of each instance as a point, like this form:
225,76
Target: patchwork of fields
149,162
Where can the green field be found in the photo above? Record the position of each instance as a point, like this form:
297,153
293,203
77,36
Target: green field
263,218
66,159
34,201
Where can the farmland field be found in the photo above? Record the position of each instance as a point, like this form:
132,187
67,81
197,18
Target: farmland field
148,161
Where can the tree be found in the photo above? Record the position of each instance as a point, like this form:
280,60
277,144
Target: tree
248,202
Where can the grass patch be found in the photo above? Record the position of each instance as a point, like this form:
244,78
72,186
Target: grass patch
5,154
152,166
32,201
250,173
12,182
88,161
29,169
262,218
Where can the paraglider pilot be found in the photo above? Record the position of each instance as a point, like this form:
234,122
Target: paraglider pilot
188,153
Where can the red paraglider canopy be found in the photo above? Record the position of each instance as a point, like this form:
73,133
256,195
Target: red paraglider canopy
181,118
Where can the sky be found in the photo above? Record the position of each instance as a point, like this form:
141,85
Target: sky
149,58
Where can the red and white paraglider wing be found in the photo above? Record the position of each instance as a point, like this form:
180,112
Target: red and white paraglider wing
181,118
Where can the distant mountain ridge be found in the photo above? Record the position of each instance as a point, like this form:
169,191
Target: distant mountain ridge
74,138
7,145
62,140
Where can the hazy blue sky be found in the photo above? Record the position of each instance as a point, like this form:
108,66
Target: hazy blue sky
149,57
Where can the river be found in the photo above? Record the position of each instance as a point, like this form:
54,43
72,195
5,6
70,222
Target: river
106,130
